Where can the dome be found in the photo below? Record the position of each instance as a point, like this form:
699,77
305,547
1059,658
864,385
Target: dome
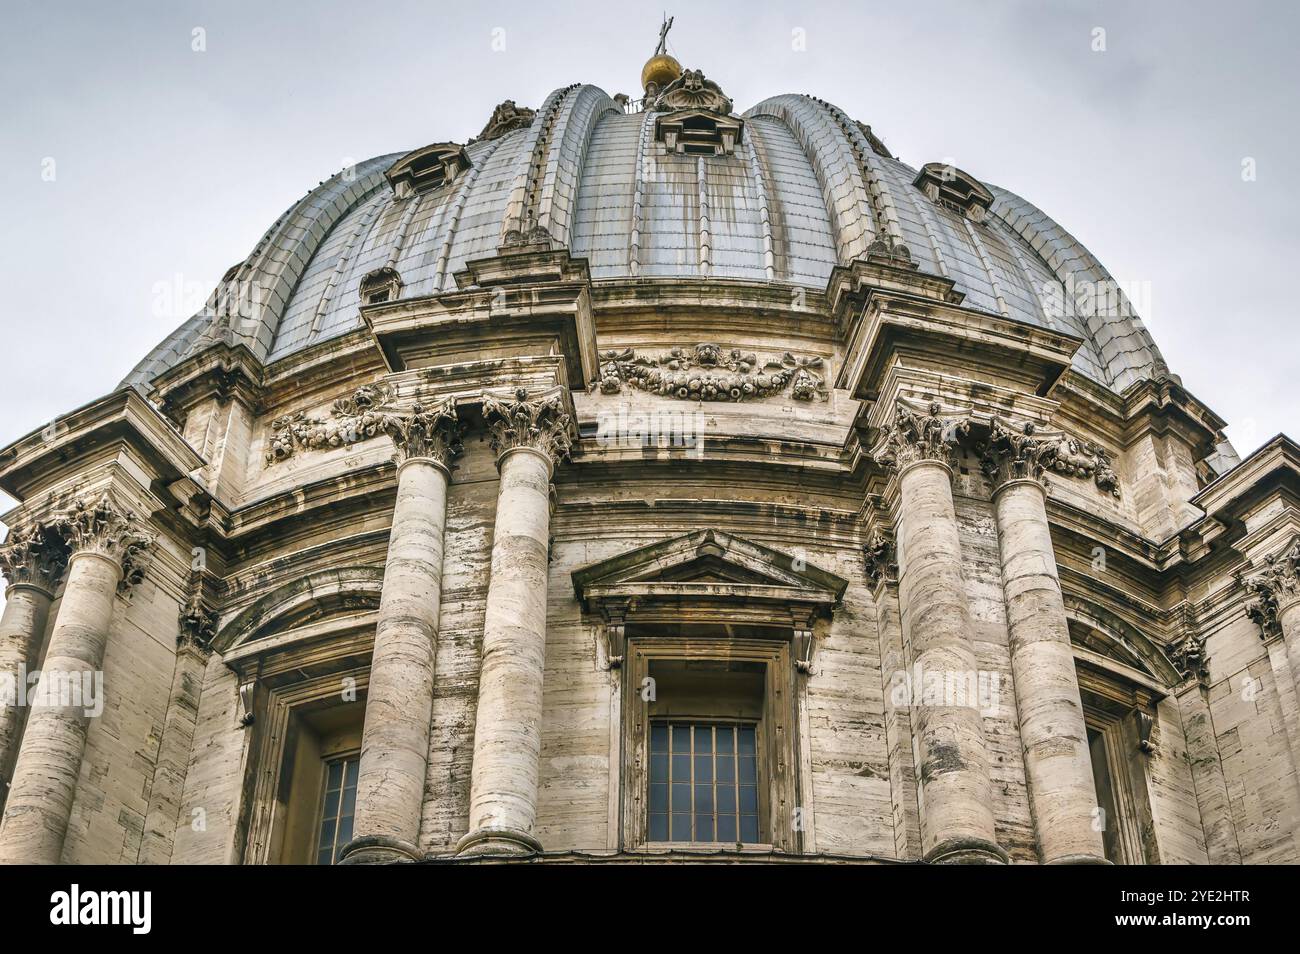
790,189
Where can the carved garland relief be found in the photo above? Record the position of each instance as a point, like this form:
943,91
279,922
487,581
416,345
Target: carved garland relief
707,372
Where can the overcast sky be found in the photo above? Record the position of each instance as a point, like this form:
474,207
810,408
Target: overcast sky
135,168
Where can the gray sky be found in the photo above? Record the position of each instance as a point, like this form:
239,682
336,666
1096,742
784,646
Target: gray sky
168,163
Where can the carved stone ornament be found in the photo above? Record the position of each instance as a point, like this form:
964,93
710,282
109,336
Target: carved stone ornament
362,415
507,117
198,626
692,91
1275,586
1188,652
540,424
1022,452
918,434
36,554
707,373
882,558
101,526
431,431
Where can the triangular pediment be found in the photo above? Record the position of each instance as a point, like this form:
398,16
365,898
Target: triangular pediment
714,560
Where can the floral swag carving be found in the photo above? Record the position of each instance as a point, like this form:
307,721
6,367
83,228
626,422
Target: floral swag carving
1024,453
362,415
707,373
540,424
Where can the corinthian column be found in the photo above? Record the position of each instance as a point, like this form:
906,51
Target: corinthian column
952,766
106,545
399,702
1053,736
528,437
33,560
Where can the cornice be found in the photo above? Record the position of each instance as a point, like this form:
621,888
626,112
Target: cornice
38,461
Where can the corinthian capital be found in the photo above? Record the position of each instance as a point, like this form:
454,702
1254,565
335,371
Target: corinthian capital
36,554
540,424
429,431
1272,589
918,434
101,526
1013,452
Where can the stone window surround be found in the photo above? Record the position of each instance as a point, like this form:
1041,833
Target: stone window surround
781,731
1120,703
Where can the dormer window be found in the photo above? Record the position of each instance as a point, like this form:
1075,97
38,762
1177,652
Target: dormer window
700,133
381,285
427,169
959,191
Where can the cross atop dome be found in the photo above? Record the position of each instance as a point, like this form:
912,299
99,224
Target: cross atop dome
661,69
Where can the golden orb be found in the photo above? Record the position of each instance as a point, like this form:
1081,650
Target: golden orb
661,70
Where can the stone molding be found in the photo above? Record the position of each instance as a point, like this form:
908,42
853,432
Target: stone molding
540,424
35,555
707,372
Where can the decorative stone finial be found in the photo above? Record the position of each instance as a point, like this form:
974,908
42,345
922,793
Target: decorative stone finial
539,424
35,555
429,431
507,117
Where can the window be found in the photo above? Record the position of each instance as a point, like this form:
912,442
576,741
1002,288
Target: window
338,805
708,735
703,782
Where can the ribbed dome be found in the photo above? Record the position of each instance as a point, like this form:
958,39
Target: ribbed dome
804,189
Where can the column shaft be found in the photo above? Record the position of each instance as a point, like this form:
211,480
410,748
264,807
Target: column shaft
399,701
507,735
955,791
26,611
49,760
1288,616
1053,735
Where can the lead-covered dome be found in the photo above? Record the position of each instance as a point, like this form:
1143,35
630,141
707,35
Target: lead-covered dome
681,189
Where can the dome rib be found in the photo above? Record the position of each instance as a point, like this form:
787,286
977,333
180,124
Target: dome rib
844,189
1127,350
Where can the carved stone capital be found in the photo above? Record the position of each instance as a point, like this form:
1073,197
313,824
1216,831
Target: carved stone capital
540,424
1017,451
1187,652
882,558
101,526
35,555
1012,452
1273,589
198,626
429,431
920,433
